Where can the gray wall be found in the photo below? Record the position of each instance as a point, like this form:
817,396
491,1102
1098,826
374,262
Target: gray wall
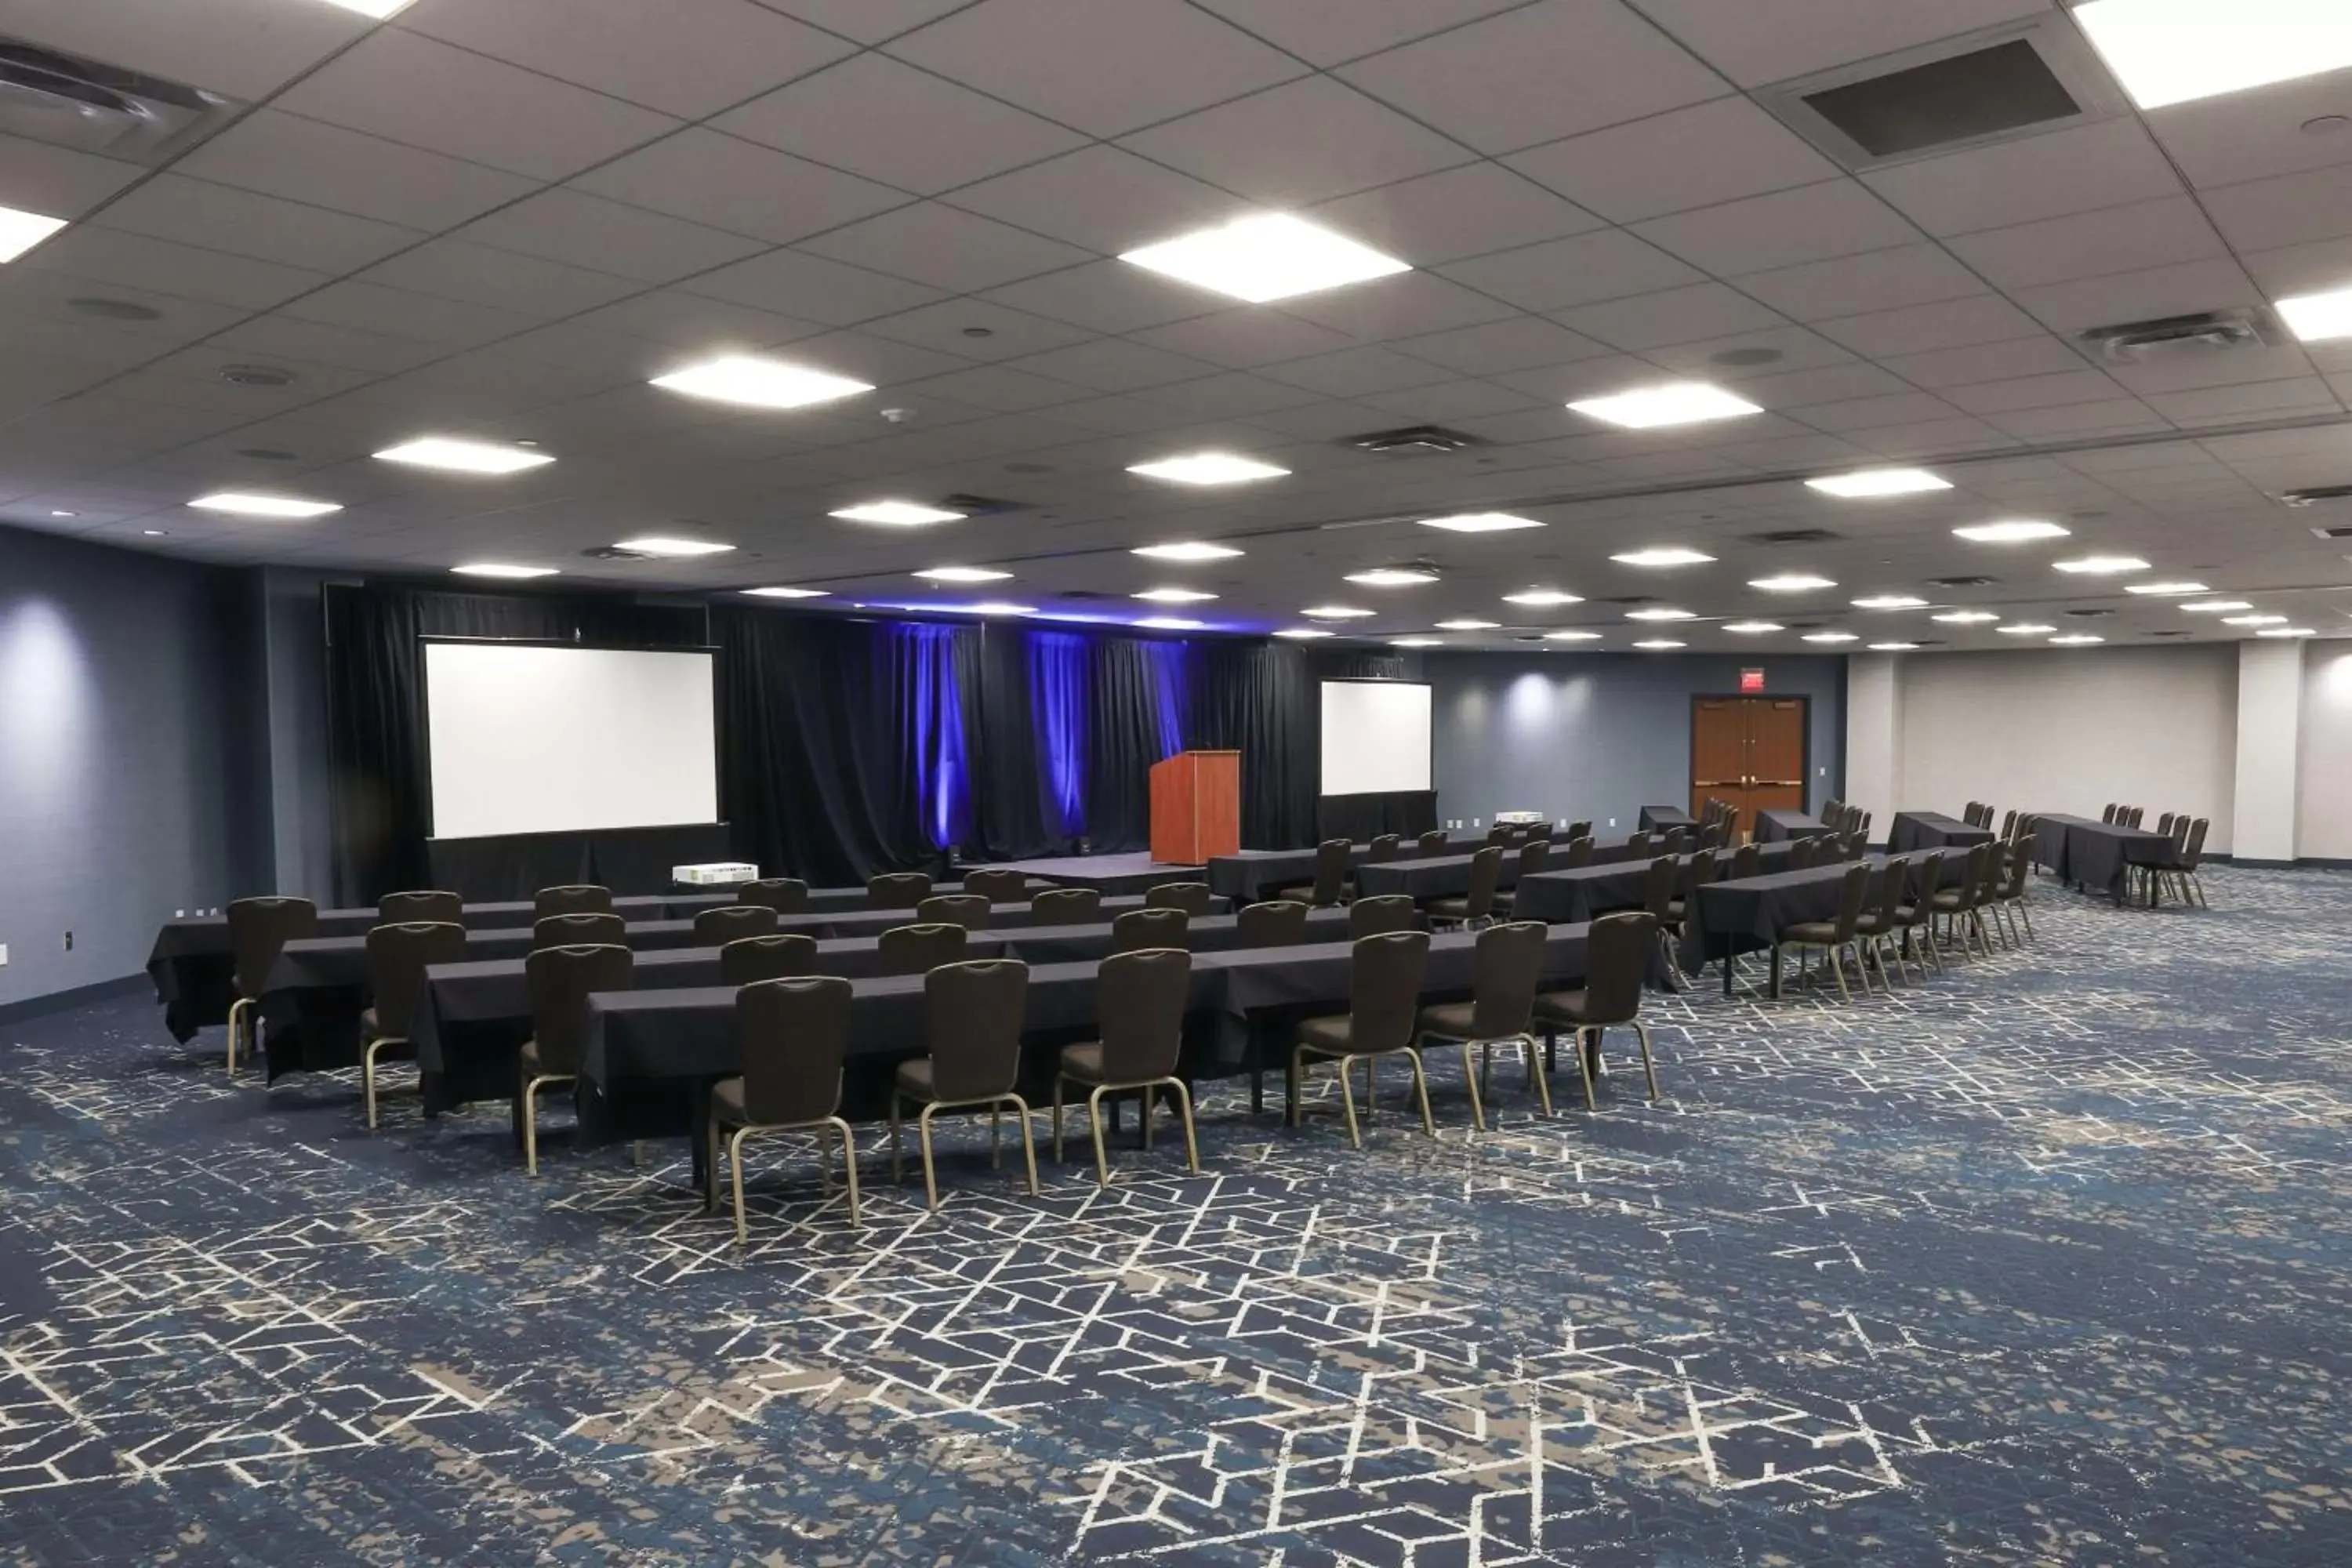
130,768
1601,735
303,844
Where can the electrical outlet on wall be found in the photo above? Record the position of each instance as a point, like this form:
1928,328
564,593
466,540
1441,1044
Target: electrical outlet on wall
69,942
4,955
1613,822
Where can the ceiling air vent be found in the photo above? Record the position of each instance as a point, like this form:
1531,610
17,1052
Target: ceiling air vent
2089,615
2319,495
2182,337
613,553
1962,582
1414,438
65,100
981,506
1793,536
1092,593
1996,85
1632,599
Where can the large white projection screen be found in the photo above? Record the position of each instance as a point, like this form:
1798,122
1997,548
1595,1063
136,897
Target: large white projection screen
1375,736
529,739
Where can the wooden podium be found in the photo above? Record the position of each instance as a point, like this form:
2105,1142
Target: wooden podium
1196,807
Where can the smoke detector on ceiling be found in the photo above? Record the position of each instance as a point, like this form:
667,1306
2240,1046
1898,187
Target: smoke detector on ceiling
2198,336
65,100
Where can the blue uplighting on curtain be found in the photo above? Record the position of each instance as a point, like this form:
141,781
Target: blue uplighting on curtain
1168,681
942,772
1058,700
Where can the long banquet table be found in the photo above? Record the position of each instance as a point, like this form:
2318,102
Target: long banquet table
1911,830
2092,853
1771,826
1250,876
1728,918
1580,893
1448,876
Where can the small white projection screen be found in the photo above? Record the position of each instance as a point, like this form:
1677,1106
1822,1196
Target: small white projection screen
1375,736
530,739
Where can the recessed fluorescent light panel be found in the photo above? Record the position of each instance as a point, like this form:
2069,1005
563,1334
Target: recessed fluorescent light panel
963,574
1417,642
1393,576
2254,620
2318,318
1571,637
2219,607
1661,614
896,513
1658,644
661,545
460,457
1267,255
2015,531
1208,469
20,231
1893,647
2176,51
788,593
238,504
2174,589
1302,633
2101,565
1656,408
2026,629
2076,640
1175,596
1480,522
1187,549
1831,636
1890,602
378,9
1663,555
1878,482
756,383
1335,613
2289,632
1169,624
1966,618
1753,628
1467,625
500,569
1790,582
1541,598
1000,607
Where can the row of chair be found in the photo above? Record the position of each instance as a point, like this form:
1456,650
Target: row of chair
1995,882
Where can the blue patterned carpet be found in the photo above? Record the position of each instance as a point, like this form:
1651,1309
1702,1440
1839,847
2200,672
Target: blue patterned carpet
2045,1261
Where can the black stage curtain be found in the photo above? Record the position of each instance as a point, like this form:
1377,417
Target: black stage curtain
1014,817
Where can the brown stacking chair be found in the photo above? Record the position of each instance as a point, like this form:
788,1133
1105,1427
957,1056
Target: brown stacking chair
1505,971
1801,854
1674,841
748,960
1378,916
1918,908
606,930
1959,905
791,1035
2008,826
896,890
397,957
1384,846
1616,960
717,927
572,898
2164,823
1436,841
969,911
1383,1003
1700,872
785,895
1276,923
1065,907
2134,816
562,978
1637,844
2016,878
1535,856
919,949
1747,860
420,909
1835,936
1477,905
972,1016
1330,884
1194,897
1139,930
2192,856
1658,901
1879,924
1140,1005
1577,830
2108,816
258,930
998,885
1580,852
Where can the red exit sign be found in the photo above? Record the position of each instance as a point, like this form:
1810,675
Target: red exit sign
1751,680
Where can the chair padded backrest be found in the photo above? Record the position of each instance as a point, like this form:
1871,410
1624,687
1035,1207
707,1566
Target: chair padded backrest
1658,887
1893,883
1674,841
1506,971
791,1035
998,884
1383,847
751,959
1577,830
1852,845
2164,823
1699,870
421,908
1800,853
2108,816
1852,894
2192,854
1580,851
1435,842
1927,878
1065,907
572,898
919,949
1535,856
1331,869
715,927
259,928
1990,871
397,959
608,929
2020,867
969,911
1485,876
1281,922
1139,930
2009,825
972,1015
1713,836
560,980
1617,951
1637,844
1386,913
896,890
1139,998
1384,977
1194,897
785,895
2139,815
1747,860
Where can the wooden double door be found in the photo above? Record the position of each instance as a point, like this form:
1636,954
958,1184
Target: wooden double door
1749,750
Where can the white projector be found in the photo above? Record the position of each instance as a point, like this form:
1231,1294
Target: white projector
714,874
1520,818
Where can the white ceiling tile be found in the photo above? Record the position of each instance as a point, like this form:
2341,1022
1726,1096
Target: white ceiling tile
1537,74
868,358
946,247
687,57
1944,324
1109,364
571,226
289,336
2200,370
1352,372
1461,212
1245,339
999,387
867,21
1754,44
2084,244
307,161
245,223
135,261
527,285
2178,290
2239,136
397,313
58,182
1799,389
1798,349
1810,223
1559,273
1671,316
1973,363
413,90
1405,304
697,322
904,127
1853,285
2324,264
948,327
1102,198
1515,343
2120,417
1302,142
1235,394
1109,297
1580,379
2292,209
730,183
2081,385
244,48
1932,437
1105,67
1448,402
1719,151
2105,163
1882,408
810,288
1330,31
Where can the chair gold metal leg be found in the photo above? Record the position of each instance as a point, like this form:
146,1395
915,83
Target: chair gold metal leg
1095,1123
1144,1116
1028,1142
1421,1087
710,1164
1649,1063
1540,1076
237,1012
1058,1080
530,1128
930,1176
1486,1062
1371,1088
1837,968
825,1158
1477,1109
1348,1101
367,1079
849,1168
995,1137
735,1174
1584,1052
1185,1110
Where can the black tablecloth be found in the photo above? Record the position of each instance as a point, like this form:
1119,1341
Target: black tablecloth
1772,827
1733,917
1586,893
1658,818
1931,830
1448,876
1255,875
1408,812
2091,854
516,865
1110,875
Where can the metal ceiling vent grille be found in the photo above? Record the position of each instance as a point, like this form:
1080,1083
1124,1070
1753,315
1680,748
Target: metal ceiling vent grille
1994,86
1414,438
65,100
1793,536
2183,337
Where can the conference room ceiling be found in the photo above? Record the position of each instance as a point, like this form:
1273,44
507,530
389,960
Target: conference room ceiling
502,219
